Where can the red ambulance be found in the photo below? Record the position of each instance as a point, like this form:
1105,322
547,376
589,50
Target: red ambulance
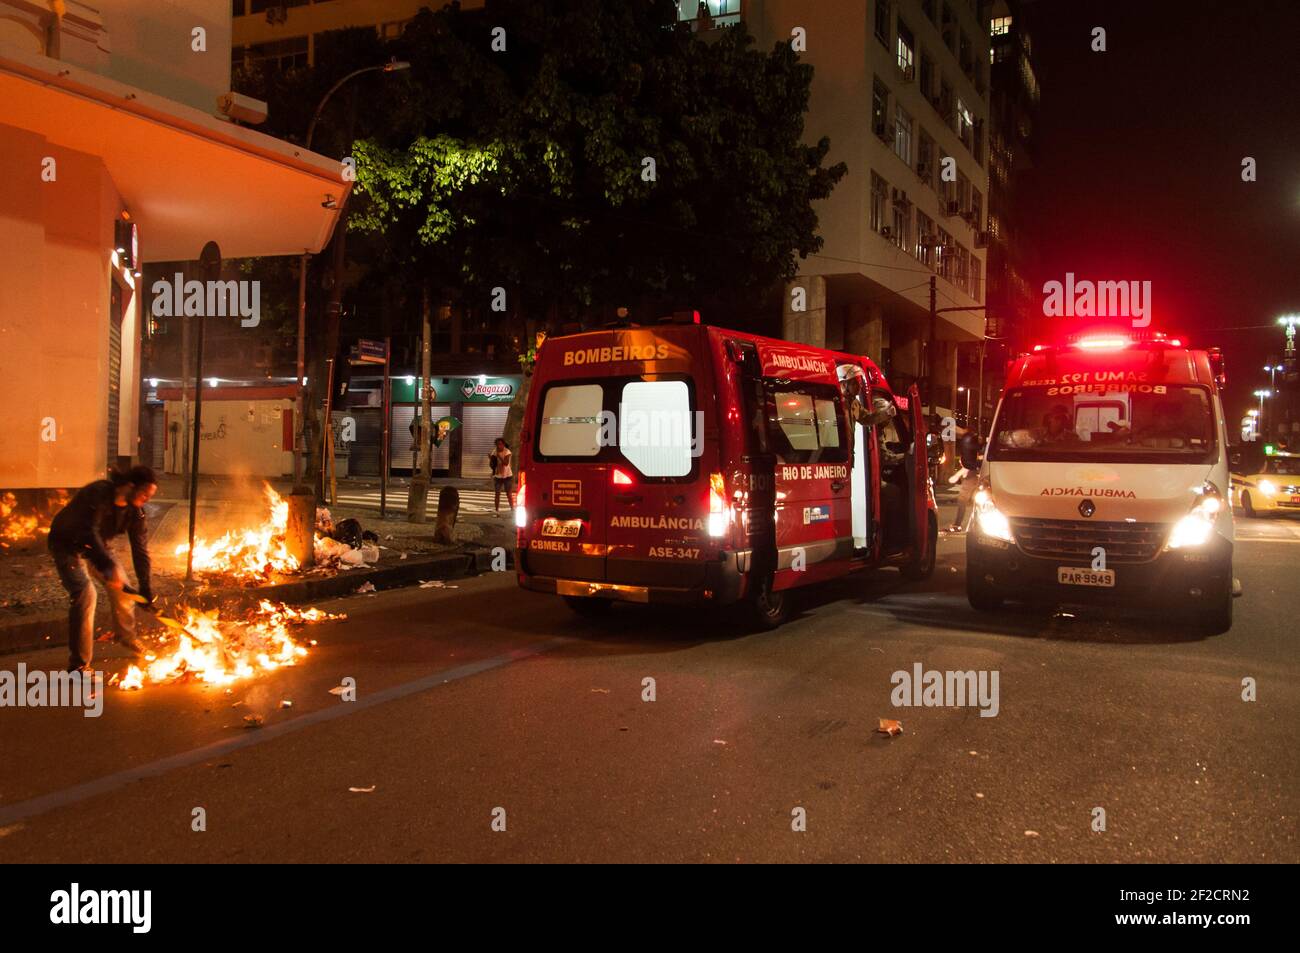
681,463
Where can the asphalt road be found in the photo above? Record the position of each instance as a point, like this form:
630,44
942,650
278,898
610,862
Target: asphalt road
484,697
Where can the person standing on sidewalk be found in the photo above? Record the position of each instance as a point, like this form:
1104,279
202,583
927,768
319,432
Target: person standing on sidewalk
503,477
968,453
98,512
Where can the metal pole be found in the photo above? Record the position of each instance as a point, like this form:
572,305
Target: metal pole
300,435
930,348
326,430
210,269
386,404
194,460
979,406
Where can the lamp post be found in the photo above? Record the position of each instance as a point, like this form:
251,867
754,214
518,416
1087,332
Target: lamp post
1261,394
392,66
966,390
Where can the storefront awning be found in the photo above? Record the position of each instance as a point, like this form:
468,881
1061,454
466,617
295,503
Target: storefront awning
186,177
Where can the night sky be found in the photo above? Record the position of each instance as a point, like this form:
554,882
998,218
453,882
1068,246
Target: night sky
1139,164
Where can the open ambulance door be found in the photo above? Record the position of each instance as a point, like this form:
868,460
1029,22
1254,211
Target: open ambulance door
923,529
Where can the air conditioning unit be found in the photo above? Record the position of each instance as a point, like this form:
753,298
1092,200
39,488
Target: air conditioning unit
887,233
982,239
908,72
923,171
900,197
276,15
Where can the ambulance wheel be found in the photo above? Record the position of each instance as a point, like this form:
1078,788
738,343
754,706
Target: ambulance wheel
587,607
1247,505
982,596
769,609
924,568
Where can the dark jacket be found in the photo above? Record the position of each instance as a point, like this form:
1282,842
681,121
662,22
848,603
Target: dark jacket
93,516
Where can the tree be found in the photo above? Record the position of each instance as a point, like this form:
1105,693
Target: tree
607,157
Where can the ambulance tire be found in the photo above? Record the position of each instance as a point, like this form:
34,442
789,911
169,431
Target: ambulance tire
768,609
589,608
924,569
982,596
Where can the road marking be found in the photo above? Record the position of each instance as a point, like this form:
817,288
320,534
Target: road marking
112,782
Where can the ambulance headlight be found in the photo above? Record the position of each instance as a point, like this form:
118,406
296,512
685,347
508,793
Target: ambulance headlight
1196,528
1268,487
993,523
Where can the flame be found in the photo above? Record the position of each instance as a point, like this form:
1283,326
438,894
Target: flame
249,555
15,526
220,651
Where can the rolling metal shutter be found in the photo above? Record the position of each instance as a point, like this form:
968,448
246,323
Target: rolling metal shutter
399,438
481,426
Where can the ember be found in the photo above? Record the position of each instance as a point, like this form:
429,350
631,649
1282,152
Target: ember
220,651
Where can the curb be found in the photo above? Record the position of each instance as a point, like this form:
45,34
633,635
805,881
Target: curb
49,631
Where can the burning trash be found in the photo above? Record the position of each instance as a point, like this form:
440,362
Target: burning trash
252,556
219,651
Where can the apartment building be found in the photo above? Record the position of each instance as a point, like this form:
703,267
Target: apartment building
282,33
901,88
114,153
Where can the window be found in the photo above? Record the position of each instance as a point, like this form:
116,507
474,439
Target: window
274,55
926,77
571,421
882,22
949,29
879,107
963,193
878,190
945,102
654,427
906,49
925,239
965,125
1000,26
976,208
943,254
925,157
946,186
902,134
966,55
899,226
805,423
975,282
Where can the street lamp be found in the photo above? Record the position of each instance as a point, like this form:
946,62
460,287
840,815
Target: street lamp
967,391
392,66
1261,394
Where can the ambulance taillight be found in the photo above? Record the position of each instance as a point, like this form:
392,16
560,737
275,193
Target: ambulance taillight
717,506
521,514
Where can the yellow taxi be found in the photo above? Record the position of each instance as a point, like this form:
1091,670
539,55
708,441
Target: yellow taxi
1267,484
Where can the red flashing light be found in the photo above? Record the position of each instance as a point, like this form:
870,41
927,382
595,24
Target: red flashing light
621,478
1107,342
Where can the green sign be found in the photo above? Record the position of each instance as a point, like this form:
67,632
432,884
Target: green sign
466,390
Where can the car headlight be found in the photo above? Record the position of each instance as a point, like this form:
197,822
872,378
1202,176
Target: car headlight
1196,528
1268,487
993,523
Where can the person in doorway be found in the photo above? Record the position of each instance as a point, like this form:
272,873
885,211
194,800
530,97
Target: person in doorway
503,477
96,513
968,453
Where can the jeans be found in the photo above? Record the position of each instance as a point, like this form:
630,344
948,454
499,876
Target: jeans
73,574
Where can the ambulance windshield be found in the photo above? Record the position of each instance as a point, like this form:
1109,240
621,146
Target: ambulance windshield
1159,423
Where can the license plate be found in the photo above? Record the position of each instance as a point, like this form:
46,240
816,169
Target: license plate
569,529
1071,576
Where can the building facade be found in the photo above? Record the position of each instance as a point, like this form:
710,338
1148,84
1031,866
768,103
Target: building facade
115,152
901,88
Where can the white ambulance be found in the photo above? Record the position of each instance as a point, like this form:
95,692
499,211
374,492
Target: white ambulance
1106,479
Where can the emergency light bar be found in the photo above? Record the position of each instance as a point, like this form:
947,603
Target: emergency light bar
1105,339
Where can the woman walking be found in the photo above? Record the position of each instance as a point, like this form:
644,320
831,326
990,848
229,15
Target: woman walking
503,477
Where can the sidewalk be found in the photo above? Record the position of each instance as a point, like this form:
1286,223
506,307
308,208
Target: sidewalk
33,604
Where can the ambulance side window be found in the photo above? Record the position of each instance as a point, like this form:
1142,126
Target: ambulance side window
805,423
